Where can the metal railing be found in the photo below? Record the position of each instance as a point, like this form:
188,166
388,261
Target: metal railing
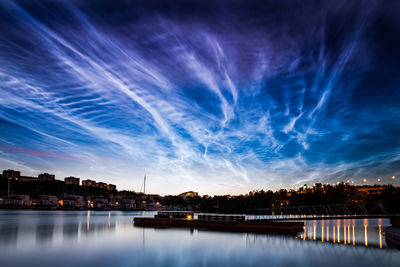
331,210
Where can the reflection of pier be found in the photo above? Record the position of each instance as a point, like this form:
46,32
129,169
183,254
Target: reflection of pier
335,223
345,232
383,257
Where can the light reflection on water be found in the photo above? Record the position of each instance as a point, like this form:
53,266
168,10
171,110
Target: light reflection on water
355,232
88,238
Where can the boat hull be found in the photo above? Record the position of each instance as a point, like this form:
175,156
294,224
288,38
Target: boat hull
249,226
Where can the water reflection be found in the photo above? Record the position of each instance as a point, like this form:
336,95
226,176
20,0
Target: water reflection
347,232
44,233
361,255
109,238
9,234
50,228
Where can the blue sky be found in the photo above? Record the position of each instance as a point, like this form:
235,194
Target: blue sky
213,96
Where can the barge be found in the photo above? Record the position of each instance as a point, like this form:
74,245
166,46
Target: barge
227,223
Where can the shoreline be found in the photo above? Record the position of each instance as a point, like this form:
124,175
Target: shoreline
55,209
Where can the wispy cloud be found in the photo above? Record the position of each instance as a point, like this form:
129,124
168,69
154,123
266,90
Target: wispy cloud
215,106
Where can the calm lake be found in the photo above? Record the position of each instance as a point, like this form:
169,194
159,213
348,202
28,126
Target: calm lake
103,238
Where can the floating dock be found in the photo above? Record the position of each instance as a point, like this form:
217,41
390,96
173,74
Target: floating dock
226,223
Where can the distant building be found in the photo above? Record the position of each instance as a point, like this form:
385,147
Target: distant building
101,185
16,201
46,177
28,179
72,180
372,190
98,202
188,194
45,201
88,183
114,203
71,201
11,174
111,187
128,204
154,206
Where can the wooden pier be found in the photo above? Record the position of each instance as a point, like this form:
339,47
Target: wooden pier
228,223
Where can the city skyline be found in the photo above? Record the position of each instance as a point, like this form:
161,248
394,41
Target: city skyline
218,98
18,176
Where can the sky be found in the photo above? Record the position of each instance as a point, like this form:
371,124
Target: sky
218,97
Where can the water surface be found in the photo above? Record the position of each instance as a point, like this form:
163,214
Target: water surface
102,238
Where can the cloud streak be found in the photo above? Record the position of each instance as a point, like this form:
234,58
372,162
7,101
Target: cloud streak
254,100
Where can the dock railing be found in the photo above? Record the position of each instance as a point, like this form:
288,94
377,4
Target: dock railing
319,211
214,217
